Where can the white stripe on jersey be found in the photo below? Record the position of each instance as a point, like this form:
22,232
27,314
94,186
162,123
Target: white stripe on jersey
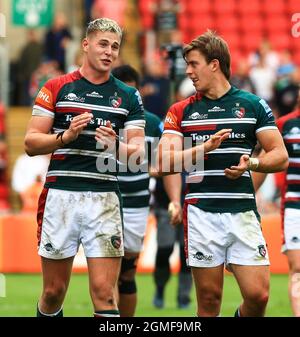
136,194
294,160
138,122
84,153
231,150
292,137
39,111
81,174
221,195
220,121
92,107
173,131
214,173
133,178
266,128
292,177
83,132
292,195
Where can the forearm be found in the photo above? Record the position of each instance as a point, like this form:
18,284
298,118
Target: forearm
173,184
170,162
275,160
39,143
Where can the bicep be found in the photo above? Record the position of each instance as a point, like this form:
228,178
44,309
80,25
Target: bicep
40,124
270,139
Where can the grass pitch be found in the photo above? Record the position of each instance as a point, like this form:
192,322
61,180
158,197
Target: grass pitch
23,290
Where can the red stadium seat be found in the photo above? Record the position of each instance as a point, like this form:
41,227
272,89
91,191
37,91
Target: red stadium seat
248,7
227,23
224,7
280,41
277,23
251,24
233,40
199,24
273,7
198,7
251,42
293,6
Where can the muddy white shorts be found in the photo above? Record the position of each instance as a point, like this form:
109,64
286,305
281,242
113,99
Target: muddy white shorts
217,238
291,229
67,219
135,223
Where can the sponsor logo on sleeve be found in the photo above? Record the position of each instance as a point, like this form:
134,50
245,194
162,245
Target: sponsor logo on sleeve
44,98
265,105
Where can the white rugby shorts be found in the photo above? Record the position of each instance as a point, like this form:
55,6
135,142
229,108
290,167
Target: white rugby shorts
291,229
216,238
135,223
67,219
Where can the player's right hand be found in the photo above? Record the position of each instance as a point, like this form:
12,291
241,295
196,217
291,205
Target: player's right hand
175,213
215,140
77,124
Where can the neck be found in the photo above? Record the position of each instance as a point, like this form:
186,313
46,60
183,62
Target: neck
218,89
94,76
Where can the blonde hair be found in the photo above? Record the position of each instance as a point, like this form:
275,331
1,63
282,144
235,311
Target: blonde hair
104,25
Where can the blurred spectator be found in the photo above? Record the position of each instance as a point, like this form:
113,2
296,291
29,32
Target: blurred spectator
155,87
28,177
287,85
29,60
56,41
263,79
241,78
4,191
271,57
77,62
42,74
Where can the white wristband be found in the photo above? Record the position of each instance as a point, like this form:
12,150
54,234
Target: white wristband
253,163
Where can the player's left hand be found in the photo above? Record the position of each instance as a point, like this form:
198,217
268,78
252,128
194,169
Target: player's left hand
175,213
234,172
106,136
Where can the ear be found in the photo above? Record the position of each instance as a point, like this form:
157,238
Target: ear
214,65
85,44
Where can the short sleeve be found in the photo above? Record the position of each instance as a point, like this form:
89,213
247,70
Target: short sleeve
173,121
44,104
136,115
265,118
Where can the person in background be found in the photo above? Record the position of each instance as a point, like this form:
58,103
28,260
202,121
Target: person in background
167,236
134,187
56,41
289,126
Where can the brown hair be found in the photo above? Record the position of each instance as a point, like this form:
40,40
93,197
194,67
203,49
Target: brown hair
211,46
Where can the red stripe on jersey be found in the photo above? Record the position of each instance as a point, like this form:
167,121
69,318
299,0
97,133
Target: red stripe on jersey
200,127
291,141
40,212
185,229
73,110
294,164
292,182
282,120
51,179
58,157
291,199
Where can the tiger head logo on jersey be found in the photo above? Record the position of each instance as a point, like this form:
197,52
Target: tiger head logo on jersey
238,111
115,101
